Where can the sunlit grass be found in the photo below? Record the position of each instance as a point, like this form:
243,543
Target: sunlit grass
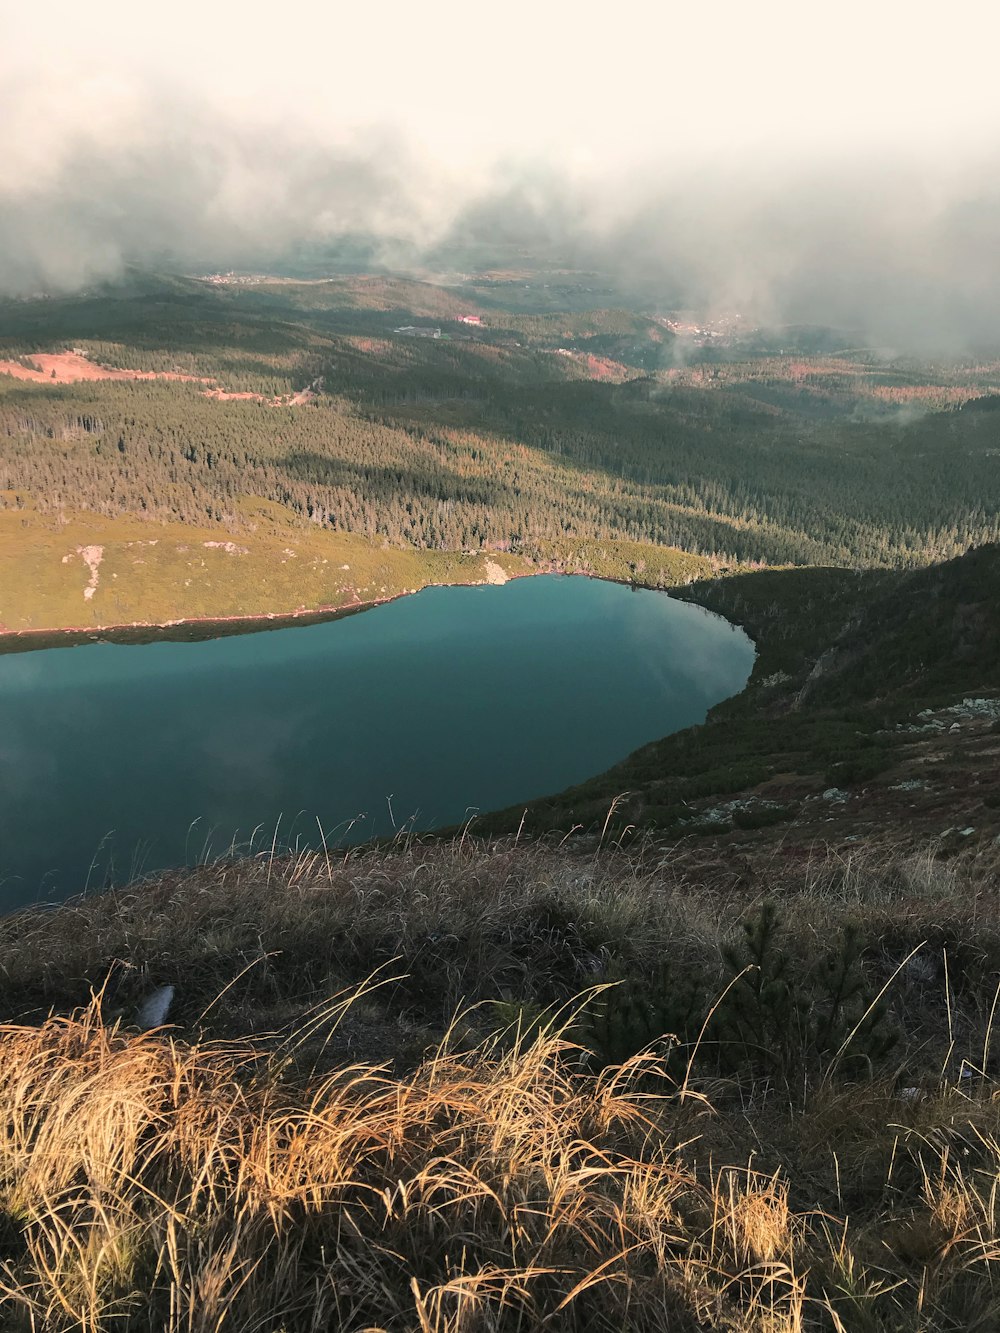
277,1161
264,564
152,1182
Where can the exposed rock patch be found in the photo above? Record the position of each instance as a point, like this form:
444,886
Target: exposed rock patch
91,557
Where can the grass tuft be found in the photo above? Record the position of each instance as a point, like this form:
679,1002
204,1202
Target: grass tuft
433,1147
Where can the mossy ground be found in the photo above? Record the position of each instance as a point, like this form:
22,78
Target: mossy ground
627,562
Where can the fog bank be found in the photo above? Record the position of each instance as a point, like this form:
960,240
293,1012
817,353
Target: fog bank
788,166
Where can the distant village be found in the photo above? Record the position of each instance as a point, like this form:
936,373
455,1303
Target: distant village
419,331
699,331
232,279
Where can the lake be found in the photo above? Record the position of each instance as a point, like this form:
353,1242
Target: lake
117,760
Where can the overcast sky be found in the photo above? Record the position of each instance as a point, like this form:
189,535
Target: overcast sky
798,158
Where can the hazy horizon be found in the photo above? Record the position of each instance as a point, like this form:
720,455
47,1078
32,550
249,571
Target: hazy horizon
790,165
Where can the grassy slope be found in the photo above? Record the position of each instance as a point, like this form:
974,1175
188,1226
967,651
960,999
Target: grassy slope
153,573
349,1171
624,561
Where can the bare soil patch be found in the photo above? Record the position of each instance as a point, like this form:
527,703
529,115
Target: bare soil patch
71,367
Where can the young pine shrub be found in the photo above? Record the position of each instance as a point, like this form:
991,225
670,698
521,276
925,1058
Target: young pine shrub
781,1014
849,1024
757,1024
773,1012
636,1013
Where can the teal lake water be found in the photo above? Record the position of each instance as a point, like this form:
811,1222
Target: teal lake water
116,760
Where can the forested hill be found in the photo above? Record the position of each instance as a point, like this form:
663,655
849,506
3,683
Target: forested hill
932,632
479,439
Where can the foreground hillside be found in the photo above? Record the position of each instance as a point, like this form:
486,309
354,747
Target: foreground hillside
396,1095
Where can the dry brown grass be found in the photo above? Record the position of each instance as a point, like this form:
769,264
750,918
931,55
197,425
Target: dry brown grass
147,1182
280,1163
253,944
152,1183
463,920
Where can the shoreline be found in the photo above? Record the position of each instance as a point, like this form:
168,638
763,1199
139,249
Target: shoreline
195,628
10,638
148,631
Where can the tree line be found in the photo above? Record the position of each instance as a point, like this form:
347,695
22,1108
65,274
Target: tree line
474,446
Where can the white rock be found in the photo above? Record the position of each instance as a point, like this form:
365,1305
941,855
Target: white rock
152,1013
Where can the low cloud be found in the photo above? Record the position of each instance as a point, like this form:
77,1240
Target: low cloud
905,255
901,249
178,184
